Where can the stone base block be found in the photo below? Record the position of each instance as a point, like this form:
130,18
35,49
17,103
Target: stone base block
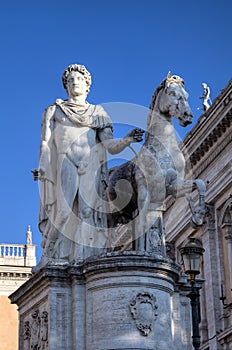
114,301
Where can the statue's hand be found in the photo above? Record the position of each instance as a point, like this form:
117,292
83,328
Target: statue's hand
41,173
38,174
35,173
135,135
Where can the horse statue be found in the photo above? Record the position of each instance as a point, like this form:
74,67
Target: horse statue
138,188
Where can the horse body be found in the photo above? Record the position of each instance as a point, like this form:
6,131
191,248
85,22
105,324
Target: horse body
157,171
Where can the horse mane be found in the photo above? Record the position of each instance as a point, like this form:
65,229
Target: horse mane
153,101
154,96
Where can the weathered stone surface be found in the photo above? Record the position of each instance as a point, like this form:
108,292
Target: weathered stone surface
82,297
88,306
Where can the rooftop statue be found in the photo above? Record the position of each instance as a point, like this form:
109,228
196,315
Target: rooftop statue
73,171
205,97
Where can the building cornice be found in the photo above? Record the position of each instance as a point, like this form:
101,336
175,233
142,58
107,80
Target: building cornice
200,162
15,275
209,130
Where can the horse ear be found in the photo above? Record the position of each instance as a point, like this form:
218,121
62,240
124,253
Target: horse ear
169,75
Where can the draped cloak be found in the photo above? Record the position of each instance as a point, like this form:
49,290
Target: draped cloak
89,209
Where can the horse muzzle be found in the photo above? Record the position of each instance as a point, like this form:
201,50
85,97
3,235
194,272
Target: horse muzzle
185,119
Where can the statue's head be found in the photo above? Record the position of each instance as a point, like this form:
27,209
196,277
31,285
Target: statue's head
174,79
77,68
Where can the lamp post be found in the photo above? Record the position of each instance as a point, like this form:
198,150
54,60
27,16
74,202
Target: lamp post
192,254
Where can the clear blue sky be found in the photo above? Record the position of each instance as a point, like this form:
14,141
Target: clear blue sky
127,45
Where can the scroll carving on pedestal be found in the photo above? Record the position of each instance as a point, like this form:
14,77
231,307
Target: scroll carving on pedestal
143,309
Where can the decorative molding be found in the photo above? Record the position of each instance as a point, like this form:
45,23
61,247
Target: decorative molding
144,311
14,275
195,157
212,138
225,337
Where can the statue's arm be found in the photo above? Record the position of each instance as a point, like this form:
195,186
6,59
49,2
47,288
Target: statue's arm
116,146
46,133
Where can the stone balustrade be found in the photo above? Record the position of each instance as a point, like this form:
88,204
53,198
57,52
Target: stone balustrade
12,250
18,254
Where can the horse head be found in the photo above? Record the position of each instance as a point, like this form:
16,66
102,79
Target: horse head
173,99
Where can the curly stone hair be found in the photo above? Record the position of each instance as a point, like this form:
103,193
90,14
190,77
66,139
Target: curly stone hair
77,68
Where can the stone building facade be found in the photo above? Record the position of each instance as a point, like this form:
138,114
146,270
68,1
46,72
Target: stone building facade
208,150
16,261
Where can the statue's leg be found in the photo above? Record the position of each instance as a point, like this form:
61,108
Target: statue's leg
141,224
67,187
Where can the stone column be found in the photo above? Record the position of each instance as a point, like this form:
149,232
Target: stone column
212,297
78,310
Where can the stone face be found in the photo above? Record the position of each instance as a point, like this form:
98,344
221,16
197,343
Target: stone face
115,301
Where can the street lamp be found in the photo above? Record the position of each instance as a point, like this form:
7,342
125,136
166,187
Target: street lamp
192,254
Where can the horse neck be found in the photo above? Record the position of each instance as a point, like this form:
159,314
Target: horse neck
160,125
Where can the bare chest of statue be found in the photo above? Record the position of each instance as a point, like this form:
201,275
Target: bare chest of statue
71,139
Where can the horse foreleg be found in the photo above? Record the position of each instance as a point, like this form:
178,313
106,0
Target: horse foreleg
141,220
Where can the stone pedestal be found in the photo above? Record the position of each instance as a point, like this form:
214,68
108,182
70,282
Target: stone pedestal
125,300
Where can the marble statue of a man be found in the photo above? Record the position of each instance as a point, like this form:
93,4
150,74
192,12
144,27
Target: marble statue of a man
206,96
73,171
